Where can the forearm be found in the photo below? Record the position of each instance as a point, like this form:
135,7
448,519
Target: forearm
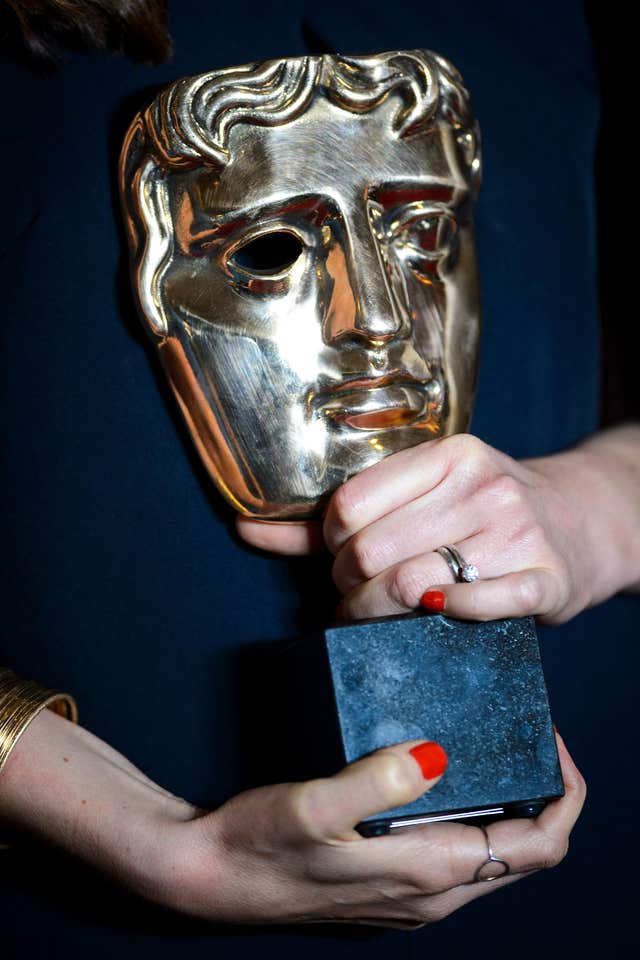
71,789
599,485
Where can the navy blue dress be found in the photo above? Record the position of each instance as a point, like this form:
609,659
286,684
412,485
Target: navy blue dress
124,581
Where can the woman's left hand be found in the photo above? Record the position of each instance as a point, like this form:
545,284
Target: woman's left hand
538,531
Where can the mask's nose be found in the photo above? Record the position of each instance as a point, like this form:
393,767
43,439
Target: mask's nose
362,305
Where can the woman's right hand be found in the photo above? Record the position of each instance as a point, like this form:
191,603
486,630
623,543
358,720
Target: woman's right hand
279,854
289,853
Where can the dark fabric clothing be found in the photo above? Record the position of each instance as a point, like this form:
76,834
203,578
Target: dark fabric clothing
124,581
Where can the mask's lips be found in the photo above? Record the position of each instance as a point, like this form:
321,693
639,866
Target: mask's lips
394,400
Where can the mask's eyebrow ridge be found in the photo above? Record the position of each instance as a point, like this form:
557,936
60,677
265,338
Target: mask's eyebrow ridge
224,223
396,195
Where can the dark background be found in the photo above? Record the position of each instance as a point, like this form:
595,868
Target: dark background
617,195
116,549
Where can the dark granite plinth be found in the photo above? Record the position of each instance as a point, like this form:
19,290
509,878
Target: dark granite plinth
476,688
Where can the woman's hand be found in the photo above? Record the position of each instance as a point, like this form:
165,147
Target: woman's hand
289,853
278,854
549,537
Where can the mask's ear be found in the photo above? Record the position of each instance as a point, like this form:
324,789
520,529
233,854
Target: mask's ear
145,201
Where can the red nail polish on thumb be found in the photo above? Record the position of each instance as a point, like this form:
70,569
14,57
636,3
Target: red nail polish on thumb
431,758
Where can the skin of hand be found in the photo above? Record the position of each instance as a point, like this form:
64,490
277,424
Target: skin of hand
279,854
549,536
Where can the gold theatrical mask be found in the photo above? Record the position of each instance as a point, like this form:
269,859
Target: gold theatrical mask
303,254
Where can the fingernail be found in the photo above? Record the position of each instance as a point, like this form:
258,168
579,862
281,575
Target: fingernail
433,600
555,729
339,614
431,758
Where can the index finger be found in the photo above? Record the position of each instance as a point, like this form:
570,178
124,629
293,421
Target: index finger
537,844
561,815
382,488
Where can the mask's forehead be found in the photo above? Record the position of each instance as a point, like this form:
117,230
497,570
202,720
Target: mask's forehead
331,152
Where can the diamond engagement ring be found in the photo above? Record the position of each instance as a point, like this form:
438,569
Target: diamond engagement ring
462,571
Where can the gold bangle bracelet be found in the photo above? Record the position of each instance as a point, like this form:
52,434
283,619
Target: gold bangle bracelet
20,702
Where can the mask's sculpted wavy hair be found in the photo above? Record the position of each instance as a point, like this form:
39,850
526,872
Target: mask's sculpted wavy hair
189,122
188,125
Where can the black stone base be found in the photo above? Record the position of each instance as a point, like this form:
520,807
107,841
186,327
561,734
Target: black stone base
475,688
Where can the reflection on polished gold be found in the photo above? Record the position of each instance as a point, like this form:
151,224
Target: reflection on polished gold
303,255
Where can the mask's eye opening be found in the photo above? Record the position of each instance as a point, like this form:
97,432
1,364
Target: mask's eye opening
270,253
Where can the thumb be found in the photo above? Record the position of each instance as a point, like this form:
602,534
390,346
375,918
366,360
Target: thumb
385,779
279,536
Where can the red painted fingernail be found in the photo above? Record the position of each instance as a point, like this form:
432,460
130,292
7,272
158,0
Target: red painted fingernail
433,600
555,729
431,759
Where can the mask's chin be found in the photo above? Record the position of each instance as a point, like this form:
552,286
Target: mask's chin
300,487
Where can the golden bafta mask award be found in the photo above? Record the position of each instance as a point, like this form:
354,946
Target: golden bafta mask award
303,257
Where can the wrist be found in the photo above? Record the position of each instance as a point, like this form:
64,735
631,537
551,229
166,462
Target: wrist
597,489
614,456
74,791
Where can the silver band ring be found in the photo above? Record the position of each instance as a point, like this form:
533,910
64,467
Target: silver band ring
462,571
491,859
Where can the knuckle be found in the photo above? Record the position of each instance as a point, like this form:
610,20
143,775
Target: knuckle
429,885
303,809
468,448
554,851
422,879
580,785
474,457
507,493
406,585
414,877
528,593
560,579
537,538
363,558
391,780
575,786
341,520
436,869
